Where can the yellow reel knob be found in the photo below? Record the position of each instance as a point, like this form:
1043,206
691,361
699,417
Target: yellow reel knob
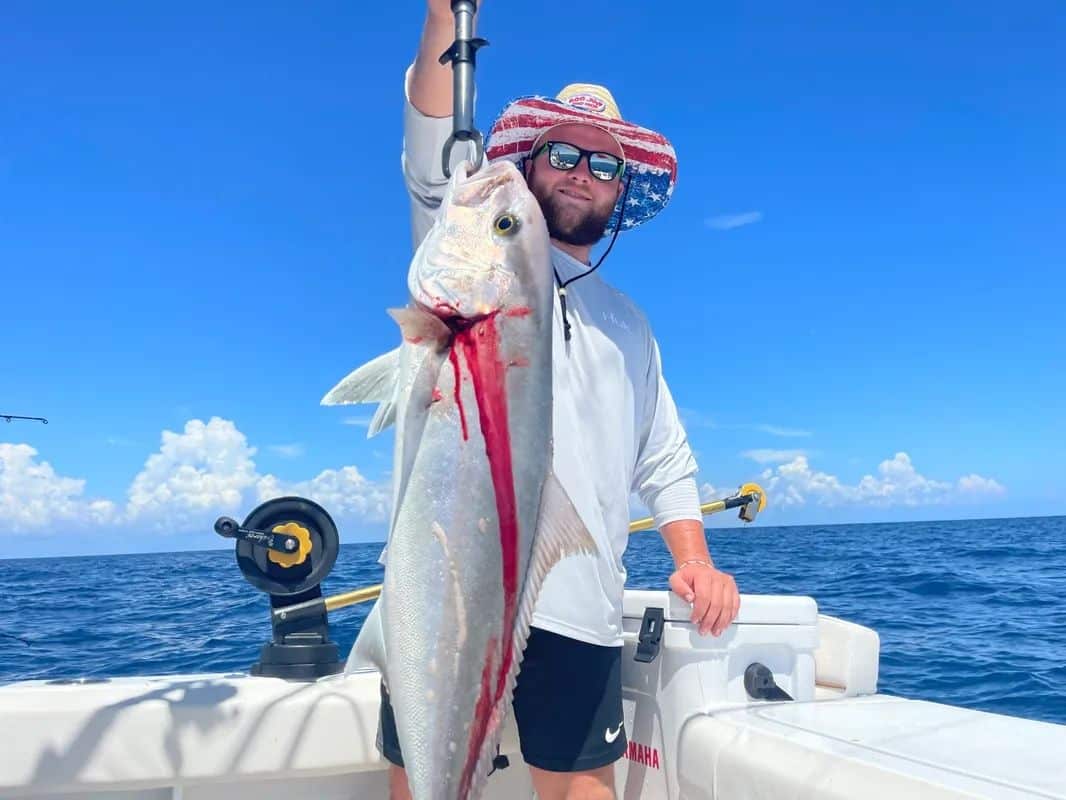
750,488
300,556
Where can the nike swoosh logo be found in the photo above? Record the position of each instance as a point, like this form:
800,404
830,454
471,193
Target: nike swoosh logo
610,736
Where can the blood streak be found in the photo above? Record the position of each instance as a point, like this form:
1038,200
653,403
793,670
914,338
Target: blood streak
479,726
480,345
518,311
453,356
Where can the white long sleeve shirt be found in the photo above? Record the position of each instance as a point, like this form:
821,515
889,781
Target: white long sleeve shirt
615,425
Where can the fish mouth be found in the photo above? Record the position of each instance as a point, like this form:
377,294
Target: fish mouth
456,321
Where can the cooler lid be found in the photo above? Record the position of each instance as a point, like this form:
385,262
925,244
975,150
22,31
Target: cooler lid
755,609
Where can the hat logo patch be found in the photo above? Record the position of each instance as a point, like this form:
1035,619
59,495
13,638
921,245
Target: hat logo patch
588,102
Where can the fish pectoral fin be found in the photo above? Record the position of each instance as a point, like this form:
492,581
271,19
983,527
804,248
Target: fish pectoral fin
374,382
383,418
419,326
368,651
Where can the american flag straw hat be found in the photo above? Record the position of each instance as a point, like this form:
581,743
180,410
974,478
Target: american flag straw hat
651,164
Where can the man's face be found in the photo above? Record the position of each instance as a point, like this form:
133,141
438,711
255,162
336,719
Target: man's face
576,206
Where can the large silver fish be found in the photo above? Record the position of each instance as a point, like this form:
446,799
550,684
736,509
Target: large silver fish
478,516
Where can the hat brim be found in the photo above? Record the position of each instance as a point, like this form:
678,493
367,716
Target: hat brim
651,163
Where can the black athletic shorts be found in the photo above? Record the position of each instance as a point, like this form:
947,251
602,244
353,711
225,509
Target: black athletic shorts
567,706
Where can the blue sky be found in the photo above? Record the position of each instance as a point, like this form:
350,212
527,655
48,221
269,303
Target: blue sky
857,288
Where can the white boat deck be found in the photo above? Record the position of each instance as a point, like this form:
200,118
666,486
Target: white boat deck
693,730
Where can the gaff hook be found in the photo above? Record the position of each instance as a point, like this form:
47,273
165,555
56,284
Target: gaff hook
463,57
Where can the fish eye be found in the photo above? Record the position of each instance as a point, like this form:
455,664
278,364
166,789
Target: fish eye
505,224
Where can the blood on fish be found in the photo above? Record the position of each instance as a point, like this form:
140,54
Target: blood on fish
416,339
437,394
518,311
453,356
482,711
481,349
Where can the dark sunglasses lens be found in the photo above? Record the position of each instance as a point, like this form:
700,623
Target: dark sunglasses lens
563,156
604,166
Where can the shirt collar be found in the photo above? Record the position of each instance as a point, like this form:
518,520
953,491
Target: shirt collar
566,265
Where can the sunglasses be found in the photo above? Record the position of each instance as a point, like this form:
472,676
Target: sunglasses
566,156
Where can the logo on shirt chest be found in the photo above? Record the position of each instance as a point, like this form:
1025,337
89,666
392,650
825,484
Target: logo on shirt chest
609,316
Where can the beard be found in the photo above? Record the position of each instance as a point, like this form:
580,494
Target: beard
569,224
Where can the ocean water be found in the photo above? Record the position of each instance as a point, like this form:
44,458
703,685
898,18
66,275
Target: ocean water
971,613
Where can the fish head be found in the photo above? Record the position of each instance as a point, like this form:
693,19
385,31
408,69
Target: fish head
488,250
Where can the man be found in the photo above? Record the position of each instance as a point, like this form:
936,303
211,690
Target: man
615,425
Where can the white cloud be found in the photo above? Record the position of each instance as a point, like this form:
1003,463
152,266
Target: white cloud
208,469
768,456
976,485
709,493
120,441
204,471
777,430
343,492
897,483
691,418
33,496
287,450
727,222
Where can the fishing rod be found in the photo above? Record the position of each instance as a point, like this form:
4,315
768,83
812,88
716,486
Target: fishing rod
750,499
9,417
749,495
463,57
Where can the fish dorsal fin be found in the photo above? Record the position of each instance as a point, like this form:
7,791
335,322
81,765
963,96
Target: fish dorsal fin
560,533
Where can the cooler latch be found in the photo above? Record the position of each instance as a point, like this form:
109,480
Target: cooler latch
651,633
760,684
